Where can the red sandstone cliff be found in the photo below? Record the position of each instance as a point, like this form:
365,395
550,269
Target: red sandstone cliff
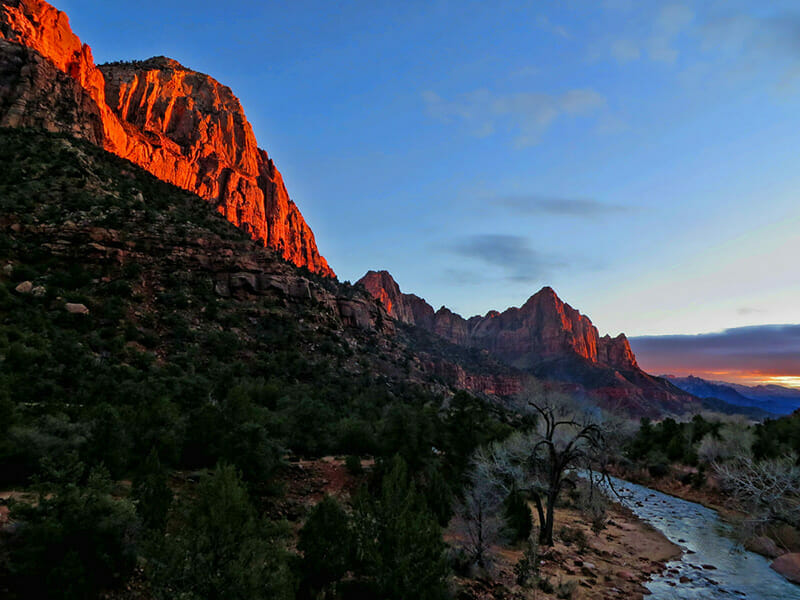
182,126
546,337
544,327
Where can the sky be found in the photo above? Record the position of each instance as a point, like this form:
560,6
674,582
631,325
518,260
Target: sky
638,157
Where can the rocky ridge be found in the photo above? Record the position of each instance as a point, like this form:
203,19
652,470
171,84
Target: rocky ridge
182,126
546,337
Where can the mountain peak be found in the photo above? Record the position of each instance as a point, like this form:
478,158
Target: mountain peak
182,126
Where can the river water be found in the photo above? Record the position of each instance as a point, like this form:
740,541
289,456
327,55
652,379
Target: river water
700,532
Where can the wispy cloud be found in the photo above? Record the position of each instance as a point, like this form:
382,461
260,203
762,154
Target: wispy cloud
625,50
751,46
554,205
527,115
542,22
511,254
658,41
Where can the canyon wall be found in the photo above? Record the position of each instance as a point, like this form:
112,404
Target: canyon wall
184,127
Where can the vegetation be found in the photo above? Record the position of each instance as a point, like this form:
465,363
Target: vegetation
164,379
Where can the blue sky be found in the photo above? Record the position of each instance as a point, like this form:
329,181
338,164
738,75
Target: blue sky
639,157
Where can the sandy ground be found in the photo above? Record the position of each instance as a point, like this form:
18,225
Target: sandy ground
614,564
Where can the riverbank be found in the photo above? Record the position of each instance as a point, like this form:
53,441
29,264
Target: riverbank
774,542
612,564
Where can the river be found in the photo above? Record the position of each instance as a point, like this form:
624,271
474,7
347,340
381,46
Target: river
713,568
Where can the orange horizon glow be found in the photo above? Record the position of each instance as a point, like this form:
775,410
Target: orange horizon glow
750,378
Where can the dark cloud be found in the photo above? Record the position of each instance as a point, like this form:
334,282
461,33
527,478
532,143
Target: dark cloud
765,349
511,253
553,205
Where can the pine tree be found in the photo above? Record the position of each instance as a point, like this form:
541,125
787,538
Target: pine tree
326,541
221,549
151,493
400,544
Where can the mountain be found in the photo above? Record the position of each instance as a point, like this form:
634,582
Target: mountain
182,126
545,337
773,399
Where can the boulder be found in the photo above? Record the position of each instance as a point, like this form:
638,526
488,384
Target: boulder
26,287
788,565
764,546
76,308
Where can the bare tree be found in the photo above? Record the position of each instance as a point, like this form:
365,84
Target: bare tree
768,490
479,520
567,437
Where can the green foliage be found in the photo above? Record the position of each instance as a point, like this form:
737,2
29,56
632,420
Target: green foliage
220,548
574,535
353,465
399,543
327,544
777,437
565,589
151,493
526,569
674,441
75,541
468,424
518,517
163,365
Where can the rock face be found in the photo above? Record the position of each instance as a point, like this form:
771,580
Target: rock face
542,328
546,337
35,93
182,126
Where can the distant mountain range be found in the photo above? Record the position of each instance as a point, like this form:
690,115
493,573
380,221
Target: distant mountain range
773,399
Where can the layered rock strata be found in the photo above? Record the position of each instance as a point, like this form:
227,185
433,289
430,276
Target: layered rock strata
184,127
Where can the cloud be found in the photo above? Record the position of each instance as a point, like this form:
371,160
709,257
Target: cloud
755,38
764,349
462,277
527,115
553,205
673,18
511,253
610,124
544,23
625,50
668,22
746,47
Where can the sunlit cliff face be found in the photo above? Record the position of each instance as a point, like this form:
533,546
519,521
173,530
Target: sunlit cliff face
182,126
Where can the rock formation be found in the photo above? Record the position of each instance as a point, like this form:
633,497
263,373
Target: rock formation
542,328
182,126
545,337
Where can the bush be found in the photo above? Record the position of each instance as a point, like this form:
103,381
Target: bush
151,493
353,465
399,542
519,520
220,548
75,542
565,589
326,542
526,570
574,535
